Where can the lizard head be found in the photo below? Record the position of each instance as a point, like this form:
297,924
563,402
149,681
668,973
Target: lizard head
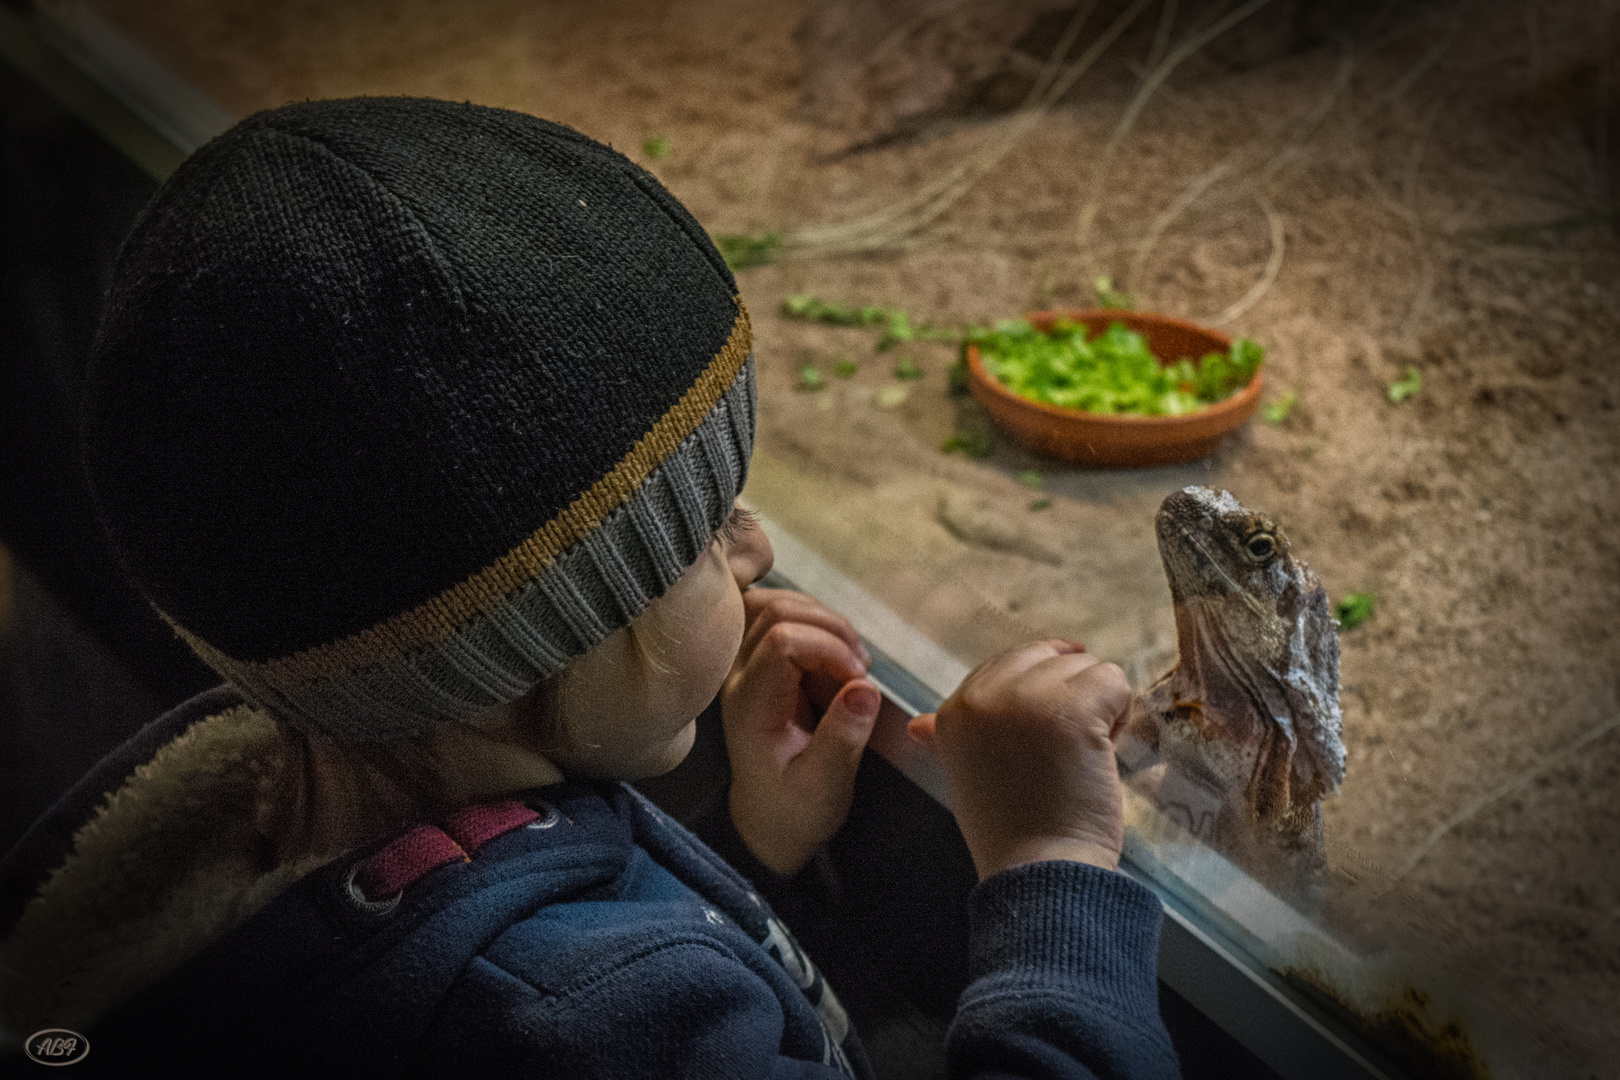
1259,671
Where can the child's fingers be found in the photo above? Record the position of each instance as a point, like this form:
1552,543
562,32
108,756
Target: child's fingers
790,791
768,607
764,692
989,685
1085,688
1057,675
833,754
921,729
1076,687
808,647
1015,661
786,606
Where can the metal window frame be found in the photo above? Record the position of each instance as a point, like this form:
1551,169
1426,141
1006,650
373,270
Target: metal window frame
156,119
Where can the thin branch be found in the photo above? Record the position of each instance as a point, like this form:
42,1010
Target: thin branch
1268,277
1296,151
1605,152
1417,70
1207,180
1161,39
1183,202
892,223
1060,53
1502,792
1187,48
896,37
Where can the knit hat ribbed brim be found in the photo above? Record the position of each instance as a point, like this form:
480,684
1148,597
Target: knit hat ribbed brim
400,404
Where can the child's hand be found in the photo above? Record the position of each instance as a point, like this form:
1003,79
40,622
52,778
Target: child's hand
1027,745
792,777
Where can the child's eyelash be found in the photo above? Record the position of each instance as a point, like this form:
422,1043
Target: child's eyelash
737,522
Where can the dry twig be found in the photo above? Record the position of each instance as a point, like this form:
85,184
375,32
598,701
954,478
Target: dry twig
1268,277
1502,792
898,220
1155,78
896,37
1293,151
1161,38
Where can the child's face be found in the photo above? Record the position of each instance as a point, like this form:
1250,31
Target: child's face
628,708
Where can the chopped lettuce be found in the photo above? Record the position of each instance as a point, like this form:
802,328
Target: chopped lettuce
1113,372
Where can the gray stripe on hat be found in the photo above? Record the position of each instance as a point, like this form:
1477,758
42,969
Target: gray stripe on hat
562,594
591,590
682,488
609,565
719,456
654,539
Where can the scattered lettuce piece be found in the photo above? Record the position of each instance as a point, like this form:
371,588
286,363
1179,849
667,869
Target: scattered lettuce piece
907,369
742,251
897,332
1110,297
892,397
657,148
975,444
807,307
1032,480
1353,609
1276,412
846,368
1405,388
1041,503
810,378
897,325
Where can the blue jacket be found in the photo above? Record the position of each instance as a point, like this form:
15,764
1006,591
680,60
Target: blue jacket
616,944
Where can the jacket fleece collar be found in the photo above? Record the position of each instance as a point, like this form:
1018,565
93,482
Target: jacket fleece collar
168,864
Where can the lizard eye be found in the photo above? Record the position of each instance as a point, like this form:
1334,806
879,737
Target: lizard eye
1261,547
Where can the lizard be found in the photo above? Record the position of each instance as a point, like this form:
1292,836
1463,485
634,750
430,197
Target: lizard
1241,739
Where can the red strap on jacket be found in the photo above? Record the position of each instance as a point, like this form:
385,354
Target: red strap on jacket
418,852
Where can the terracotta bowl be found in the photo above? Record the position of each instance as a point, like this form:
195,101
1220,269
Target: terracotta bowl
1119,441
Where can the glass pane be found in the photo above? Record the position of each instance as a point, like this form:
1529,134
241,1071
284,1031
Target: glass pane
1412,212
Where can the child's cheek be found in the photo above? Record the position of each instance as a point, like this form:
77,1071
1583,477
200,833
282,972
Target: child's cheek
715,634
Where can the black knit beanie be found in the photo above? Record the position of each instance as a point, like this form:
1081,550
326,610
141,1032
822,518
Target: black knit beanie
398,404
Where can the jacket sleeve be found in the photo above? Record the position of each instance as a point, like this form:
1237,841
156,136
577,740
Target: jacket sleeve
1062,978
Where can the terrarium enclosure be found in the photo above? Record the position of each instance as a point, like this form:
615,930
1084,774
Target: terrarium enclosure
1411,207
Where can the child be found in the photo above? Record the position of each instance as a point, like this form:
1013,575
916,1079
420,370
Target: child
423,423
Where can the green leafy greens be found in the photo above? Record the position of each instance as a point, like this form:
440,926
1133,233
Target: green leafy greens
1353,609
1113,372
898,328
742,251
810,309
1110,297
1276,412
1405,388
970,441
